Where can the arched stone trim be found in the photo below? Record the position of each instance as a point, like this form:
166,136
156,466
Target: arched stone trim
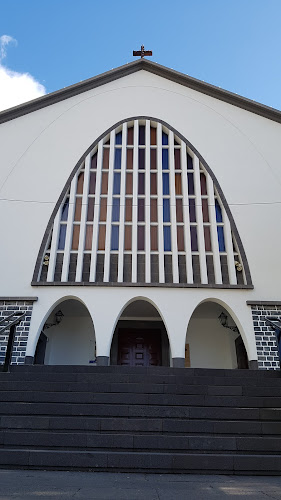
143,299
247,282
39,327
233,316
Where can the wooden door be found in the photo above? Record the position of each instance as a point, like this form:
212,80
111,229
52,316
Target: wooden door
138,347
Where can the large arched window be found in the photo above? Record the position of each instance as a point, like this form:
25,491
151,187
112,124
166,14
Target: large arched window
142,207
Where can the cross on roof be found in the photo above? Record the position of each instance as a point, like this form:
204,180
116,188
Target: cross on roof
142,52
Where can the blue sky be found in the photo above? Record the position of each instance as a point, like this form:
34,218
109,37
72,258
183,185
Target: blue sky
235,44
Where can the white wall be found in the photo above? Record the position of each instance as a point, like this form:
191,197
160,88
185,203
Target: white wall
210,345
38,152
71,342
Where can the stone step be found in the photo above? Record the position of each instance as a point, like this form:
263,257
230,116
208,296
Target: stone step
219,463
144,411
151,371
131,442
143,425
139,399
137,388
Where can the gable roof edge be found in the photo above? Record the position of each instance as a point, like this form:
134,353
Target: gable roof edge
129,68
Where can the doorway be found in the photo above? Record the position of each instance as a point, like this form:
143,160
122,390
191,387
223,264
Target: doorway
137,347
140,337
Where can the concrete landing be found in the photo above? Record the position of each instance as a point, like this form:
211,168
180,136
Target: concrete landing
63,485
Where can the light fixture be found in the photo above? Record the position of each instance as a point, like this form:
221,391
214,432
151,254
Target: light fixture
58,319
223,319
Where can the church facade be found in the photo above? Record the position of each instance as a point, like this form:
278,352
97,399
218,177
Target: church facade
139,219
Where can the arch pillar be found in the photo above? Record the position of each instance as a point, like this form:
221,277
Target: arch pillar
176,313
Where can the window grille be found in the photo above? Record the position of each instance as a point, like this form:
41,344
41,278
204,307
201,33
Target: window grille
142,208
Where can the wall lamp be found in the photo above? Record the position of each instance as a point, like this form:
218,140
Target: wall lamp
58,319
223,319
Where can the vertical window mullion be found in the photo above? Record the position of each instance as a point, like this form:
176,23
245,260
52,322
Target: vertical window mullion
69,229
199,218
135,202
96,214
54,246
160,205
186,219
80,256
213,228
175,263
147,203
229,248
109,208
122,204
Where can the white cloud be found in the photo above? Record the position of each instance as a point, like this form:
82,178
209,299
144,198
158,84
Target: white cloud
16,88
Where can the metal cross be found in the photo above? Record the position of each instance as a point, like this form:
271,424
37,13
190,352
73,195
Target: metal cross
142,52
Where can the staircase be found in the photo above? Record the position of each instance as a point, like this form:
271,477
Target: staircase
141,419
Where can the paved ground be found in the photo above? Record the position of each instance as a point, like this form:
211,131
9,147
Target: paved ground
62,485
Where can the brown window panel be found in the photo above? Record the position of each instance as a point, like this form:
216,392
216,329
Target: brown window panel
178,183
154,238
78,207
130,159
130,136
105,160
91,209
75,237
101,245
153,210
104,183
129,183
179,211
153,136
128,209
180,234
153,183
128,237
153,159
103,207
89,237
80,183
177,153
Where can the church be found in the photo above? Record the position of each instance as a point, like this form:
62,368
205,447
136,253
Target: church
140,214
139,222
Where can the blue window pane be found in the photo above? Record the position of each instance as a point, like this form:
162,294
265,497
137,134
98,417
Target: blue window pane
165,159
118,138
117,159
116,183
141,159
114,237
218,211
194,242
64,212
190,181
164,139
221,239
62,237
167,238
166,186
189,162
115,209
166,210
141,135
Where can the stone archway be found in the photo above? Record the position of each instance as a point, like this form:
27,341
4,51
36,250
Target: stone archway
140,337
209,344
67,337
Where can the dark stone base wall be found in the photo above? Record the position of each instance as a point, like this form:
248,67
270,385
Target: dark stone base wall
267,348
22,330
